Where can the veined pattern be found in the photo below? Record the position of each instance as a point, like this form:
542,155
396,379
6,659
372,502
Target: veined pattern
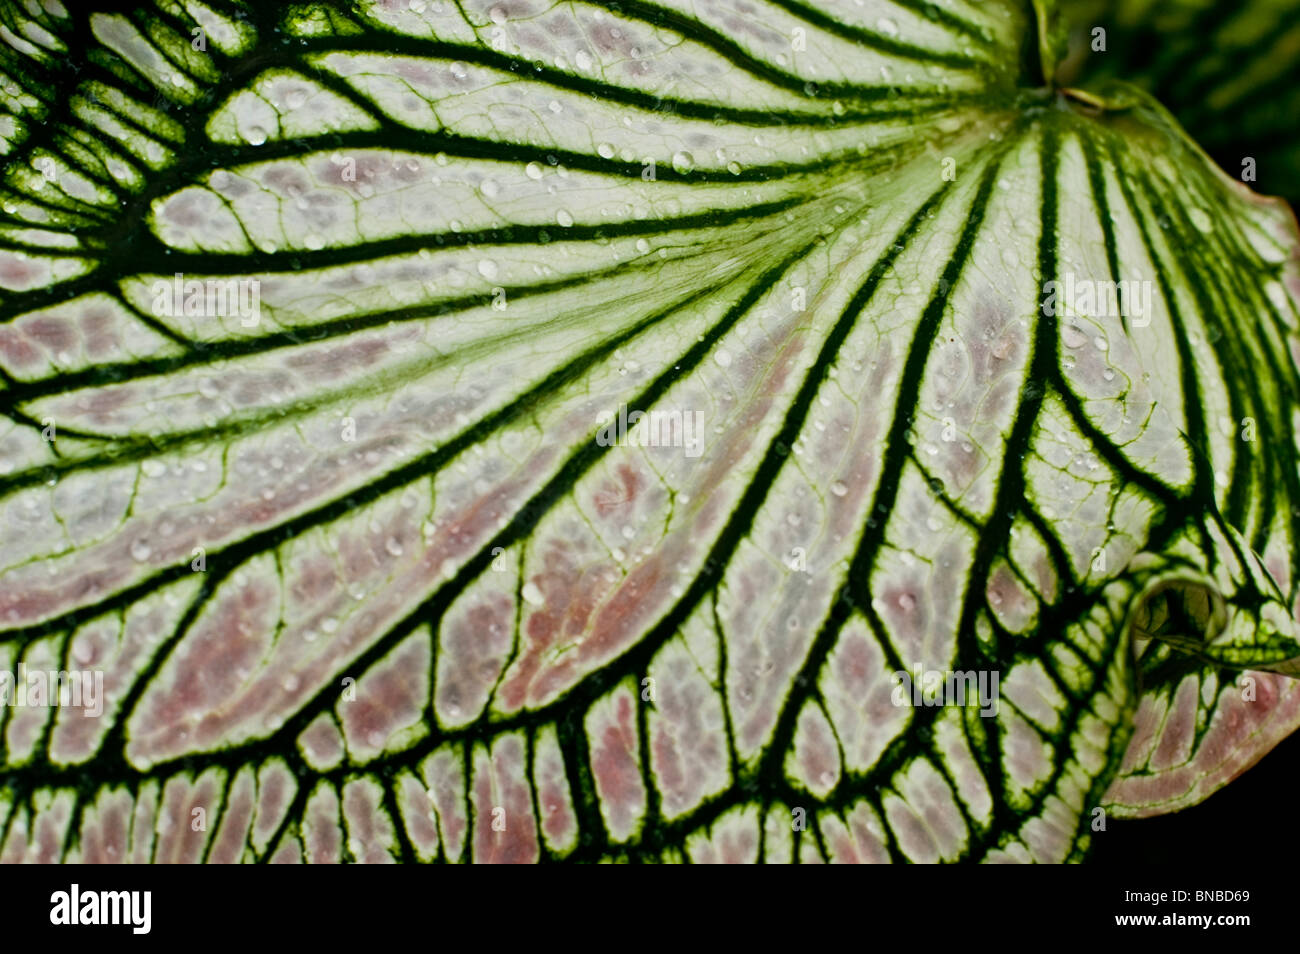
364,583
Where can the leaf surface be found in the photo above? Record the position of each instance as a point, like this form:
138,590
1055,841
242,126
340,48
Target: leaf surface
374,569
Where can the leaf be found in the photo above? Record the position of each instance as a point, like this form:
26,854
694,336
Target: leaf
323,348
1053,37
1230,72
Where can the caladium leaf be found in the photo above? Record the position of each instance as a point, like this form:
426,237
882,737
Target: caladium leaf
1229,71
506,431
1053,37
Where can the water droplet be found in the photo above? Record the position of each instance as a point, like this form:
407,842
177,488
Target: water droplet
393,546
605,151
683,162
489,188
839,489
140,551
582,59
1072,337
887,26
722,358
533,595
487,268
533,170
564,218
255,135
